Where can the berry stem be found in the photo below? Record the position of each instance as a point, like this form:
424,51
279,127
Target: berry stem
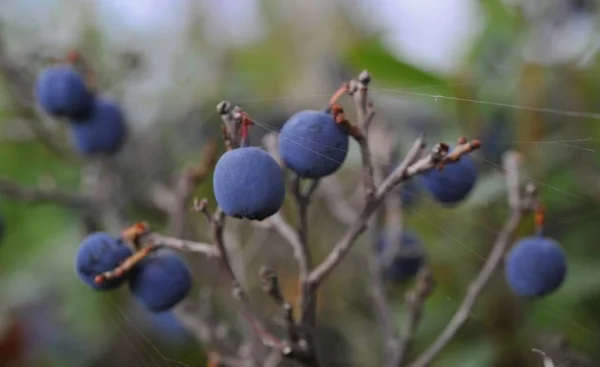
539,218
343,89
126,265
75,58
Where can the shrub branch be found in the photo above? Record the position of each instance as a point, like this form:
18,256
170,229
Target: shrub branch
519,205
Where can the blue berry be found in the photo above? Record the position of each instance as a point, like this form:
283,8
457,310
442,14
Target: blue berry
160,281
407,263
248,183
99,252
61,92
103,132
535,267
312,145
452,184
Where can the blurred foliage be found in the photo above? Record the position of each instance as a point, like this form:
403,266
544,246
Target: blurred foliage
560,152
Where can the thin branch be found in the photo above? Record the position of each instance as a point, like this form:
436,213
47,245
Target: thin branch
185,246
358,89
298,238
415,302
380,223
436,159
217,223
278,224
270,285
307,294
15,191
519,208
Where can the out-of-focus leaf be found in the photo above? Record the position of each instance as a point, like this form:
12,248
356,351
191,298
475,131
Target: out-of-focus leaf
387,70
490,188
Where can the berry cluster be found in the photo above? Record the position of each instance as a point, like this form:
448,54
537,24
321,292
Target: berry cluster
249,183
97,123
159,280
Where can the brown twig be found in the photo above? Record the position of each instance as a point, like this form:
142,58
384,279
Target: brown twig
15,191
270,285
342,247
297,238
358,89
217,223
307,295
377,225
518,209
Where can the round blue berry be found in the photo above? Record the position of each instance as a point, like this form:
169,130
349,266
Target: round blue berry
103,132
248,183
98,253
453,183
535,267
312,145
61,92
408,262
160,281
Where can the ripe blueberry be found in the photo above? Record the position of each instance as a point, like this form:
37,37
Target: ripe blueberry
312,145
535,267
248,183
160,281
99,252
452,184
103,132
61,92
407,263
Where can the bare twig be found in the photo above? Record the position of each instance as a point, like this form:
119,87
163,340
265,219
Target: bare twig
307,295
415,301
436,159
519,208
184,246
15,191
298,238
270,285
379,224
358,89
277,223
217,223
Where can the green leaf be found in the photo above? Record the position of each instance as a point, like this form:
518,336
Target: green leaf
388,70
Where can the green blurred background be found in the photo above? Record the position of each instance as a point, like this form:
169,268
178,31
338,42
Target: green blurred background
519,75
